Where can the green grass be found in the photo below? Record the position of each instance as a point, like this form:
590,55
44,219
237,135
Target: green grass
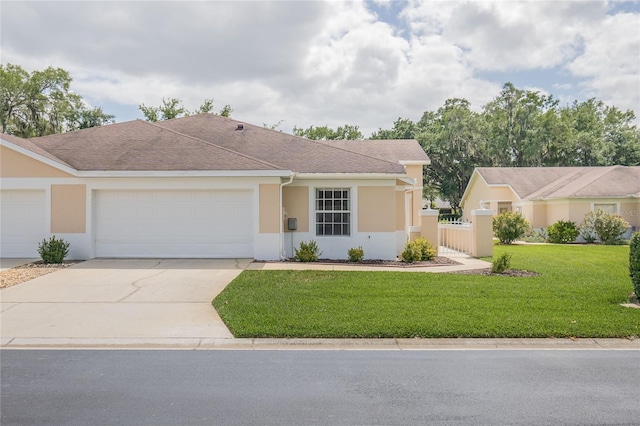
578,294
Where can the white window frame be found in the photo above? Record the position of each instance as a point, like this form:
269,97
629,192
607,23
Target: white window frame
595,206
320,208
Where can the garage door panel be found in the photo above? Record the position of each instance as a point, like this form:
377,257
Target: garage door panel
23,222
174,224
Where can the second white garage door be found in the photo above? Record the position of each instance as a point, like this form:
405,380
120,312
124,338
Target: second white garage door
23,223
174,223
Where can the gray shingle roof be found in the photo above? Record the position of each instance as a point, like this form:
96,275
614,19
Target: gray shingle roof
141,146
566,182
209,142
287,151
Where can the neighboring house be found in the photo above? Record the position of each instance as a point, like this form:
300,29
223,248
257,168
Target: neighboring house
207,186
544,195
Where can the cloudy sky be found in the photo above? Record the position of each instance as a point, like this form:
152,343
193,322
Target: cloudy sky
364,63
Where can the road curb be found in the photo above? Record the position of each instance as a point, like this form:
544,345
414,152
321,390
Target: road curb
322,344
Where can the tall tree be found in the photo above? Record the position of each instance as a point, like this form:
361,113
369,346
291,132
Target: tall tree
513,118
41,103
455,141
173,108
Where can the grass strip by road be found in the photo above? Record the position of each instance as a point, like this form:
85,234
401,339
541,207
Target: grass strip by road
578,294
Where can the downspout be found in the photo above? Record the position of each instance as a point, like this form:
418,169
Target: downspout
282,252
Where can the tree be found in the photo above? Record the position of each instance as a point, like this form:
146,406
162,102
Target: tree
41,103
173,108
346,132
403,128
454,140
514,121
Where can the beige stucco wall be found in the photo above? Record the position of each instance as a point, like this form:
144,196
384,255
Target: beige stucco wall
269,208
400,211
376,208
630,211
415,172
295,200
536,213
13,164
478,191
68,209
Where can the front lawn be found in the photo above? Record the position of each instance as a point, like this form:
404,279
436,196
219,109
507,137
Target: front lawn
578,294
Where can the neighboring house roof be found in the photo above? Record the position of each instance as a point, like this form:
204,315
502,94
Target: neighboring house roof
531,183
210,142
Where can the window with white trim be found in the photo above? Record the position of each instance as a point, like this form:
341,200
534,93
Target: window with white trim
607,207
333,211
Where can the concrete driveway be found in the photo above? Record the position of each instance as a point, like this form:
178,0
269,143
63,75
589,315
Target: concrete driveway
120,299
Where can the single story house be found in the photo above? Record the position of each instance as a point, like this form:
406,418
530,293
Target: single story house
544,195
207,186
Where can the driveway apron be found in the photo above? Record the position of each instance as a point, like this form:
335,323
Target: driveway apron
121,298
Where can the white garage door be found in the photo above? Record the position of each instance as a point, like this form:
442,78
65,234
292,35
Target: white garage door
23,223
174,223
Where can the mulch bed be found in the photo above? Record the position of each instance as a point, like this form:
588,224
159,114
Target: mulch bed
436,261
507,273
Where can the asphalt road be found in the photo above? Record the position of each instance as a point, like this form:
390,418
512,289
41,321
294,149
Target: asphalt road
475,387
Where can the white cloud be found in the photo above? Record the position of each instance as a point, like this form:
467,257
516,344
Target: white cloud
611,61
316,63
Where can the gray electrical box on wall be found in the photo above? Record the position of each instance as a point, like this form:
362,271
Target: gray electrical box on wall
292,224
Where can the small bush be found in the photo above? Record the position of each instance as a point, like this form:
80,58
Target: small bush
356,254
608,227
508,227
411,253
501,264
309,252
427,250
54,250
634,262
417,250
562,232
535,236
587,228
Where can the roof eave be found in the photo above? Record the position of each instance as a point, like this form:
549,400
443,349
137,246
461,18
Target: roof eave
415,162
345,176
183,173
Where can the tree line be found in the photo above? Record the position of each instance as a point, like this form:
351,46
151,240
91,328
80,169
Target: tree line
518,128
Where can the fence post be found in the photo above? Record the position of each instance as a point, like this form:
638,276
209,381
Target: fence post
429,228
482,230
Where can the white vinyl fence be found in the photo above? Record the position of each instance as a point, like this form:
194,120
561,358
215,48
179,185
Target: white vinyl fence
454,237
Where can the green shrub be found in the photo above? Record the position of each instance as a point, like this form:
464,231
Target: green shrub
356,254
508,227
417,250
309,252
54,250
427,250
608,227
587,228
535,236
411,253
501,264
562,232
634,262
